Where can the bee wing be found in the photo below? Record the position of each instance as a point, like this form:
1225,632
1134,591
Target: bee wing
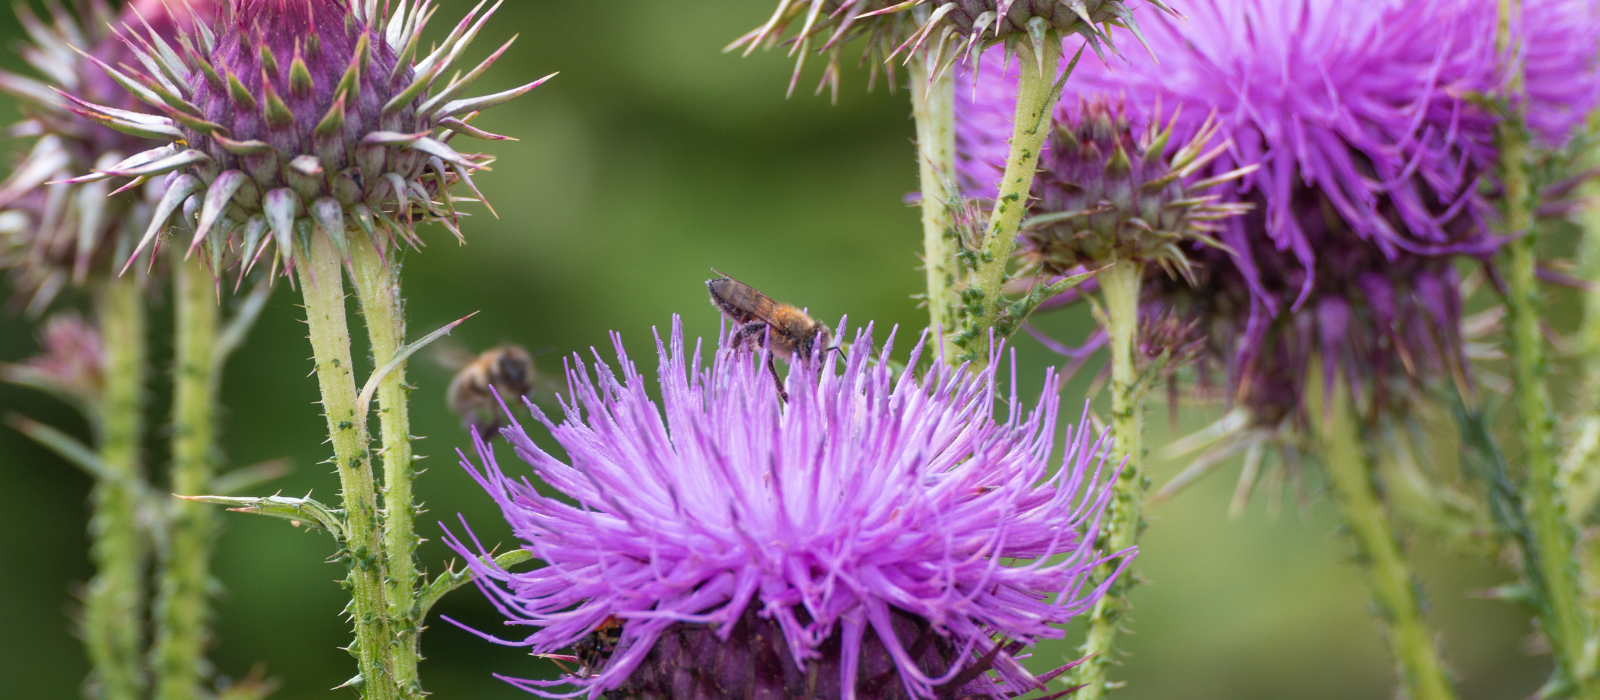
740,301
452,355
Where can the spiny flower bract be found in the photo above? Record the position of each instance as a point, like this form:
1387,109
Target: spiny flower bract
1105,194
292,118
872,505
56,235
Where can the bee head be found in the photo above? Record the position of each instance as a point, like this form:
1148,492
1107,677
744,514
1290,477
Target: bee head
513,369
820,337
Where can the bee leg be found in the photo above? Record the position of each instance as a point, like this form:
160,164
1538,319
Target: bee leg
749,335
772,368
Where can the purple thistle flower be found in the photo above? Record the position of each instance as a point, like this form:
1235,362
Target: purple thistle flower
53,236
1560,66
858,533
292,116
1365,122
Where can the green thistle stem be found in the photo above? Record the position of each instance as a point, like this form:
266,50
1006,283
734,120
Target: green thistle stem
1389,580
933,107
1545,503
1120,283
1579,476
181,608
1552,543
322,284
378,287
983,302
113,614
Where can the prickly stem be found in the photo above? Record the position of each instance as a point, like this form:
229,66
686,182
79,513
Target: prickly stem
182,609
983,301
1566,622
113,614
1120,284
322,283
933,107
378,288
1393,588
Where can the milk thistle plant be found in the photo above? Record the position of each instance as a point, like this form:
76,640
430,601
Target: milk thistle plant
316,129
1285,195
82,233
1105,199
964,296
1368,188
852,542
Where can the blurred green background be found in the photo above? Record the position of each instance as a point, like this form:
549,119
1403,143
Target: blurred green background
650,159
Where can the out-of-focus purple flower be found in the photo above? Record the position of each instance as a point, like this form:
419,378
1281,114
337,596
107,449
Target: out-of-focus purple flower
878,531
293,118
52,236
70,363
1370,137
1560,66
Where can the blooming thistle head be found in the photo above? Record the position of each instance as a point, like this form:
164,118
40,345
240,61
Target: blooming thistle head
52,236
1104,194
69,365
949,29
292,118
874,537
1360,119
1559,66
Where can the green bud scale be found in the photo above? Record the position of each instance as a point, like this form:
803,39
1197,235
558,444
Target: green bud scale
1105,194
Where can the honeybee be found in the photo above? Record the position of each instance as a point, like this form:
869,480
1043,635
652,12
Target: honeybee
596,648
787,330
507,369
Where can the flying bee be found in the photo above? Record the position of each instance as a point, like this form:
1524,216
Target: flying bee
596,648
787,330
507,370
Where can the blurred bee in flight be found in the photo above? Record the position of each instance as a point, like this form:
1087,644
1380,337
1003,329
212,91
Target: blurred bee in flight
507,370
787,330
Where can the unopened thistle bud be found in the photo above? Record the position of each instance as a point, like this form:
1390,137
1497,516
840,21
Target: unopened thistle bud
293,118
1105,194
951,29
53,236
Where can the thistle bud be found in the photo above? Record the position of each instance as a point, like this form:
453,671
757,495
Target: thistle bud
53,236
292,118
1104,194
950,28
69,365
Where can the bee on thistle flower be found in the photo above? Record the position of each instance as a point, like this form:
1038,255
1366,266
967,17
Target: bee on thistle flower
879,535
292,118
53,236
